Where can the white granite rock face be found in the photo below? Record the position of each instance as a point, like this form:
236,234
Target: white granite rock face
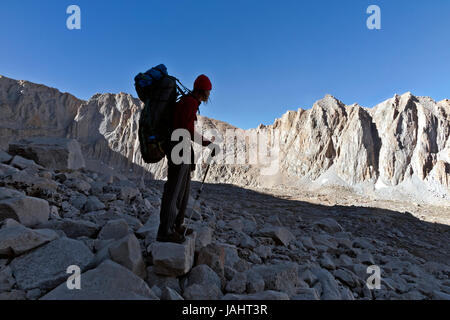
404,140
30,109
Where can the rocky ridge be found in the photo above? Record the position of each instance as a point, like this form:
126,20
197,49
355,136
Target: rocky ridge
398,149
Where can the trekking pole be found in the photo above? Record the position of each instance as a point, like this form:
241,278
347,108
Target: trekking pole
198,195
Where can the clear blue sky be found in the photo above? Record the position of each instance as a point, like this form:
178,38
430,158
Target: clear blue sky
264,57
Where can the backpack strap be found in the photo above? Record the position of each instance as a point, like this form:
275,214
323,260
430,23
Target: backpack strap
183,90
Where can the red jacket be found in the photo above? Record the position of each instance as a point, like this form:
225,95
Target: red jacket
185,115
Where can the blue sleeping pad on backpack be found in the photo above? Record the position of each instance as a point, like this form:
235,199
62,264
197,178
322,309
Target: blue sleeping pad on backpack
143,81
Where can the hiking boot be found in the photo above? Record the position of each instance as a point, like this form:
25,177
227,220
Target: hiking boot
181,230
174,237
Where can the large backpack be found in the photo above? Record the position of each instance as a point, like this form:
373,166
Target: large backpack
159,92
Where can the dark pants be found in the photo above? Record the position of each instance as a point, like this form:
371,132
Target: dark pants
175,197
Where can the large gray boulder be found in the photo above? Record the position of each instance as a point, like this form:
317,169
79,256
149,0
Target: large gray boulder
52,153
203,275
160,281
114,229
93,204
127,252
109,281
213,255
23,163
238,284
128,193
255,283
7,171
5,157
348,278
19,239
73,228
78,200
46,267
279,277
231,257
29,211
204,237
281,235
330,287
203,284
329,225
173,259
149,230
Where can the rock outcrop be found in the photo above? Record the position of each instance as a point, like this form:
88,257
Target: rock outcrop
52,153
30,109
